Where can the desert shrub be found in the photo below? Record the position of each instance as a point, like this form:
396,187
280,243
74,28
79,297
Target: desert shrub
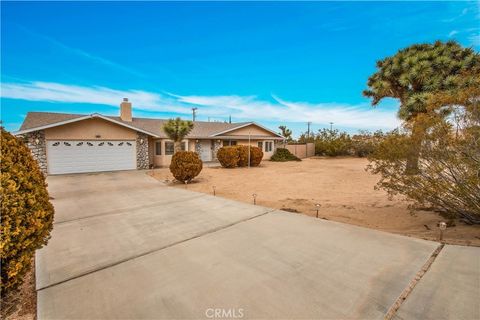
27,214
256,156
228,157
364,143
448,176
332,143
185,165
242,155
282,154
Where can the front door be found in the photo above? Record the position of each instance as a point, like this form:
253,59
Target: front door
205,150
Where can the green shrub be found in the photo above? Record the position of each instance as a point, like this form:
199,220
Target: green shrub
242,155
185,165
27,214
228,157
282,154
256,156
364,143
332,143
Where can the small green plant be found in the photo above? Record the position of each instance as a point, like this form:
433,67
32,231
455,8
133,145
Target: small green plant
27,214
228,156
185,165
282,155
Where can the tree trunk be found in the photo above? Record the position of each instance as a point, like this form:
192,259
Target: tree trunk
177,146
413,155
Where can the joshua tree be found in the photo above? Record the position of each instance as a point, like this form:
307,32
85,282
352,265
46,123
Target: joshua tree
177,129
287,133
412,75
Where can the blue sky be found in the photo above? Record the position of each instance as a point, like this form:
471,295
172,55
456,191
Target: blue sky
270,62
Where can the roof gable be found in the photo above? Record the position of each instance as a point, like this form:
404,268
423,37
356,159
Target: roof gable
249,128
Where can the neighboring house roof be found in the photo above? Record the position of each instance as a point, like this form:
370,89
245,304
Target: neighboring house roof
43,120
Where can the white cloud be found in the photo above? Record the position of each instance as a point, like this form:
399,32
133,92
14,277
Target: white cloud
474,39
360,116
81,53
452,33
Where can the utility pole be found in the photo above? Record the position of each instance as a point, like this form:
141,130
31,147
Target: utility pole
331,126
193,112
308,131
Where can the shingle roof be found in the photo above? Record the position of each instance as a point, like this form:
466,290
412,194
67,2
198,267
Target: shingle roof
200,129
40,119
154,126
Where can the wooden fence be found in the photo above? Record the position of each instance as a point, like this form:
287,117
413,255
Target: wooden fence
302,151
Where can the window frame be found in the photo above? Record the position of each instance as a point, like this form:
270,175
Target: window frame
158,151
268,146
169,152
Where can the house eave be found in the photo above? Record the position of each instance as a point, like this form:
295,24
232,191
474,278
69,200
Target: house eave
90,116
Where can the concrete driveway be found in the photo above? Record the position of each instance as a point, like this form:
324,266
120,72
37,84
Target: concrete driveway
125,246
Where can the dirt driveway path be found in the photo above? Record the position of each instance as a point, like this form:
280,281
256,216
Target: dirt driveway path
125,246
341,186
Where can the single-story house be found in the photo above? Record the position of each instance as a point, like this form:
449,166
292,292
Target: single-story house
74,143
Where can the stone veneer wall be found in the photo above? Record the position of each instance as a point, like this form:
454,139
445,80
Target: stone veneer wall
198,148
216,145
143,161
36,143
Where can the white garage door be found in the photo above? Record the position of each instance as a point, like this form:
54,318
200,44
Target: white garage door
90,156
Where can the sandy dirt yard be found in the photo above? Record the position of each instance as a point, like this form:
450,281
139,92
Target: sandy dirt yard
341,186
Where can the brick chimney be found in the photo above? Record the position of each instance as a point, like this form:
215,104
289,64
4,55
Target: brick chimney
126,110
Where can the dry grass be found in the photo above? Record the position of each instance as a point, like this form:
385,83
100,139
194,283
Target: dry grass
340,185
21,304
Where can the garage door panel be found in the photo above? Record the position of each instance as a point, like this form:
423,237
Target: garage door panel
90,156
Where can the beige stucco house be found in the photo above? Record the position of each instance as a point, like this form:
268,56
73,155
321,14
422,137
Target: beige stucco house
74,143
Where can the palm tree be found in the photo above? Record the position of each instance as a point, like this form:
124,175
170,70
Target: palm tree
177,129
412,75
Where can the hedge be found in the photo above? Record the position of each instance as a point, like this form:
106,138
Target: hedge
242,155
256,156
185,165
228,156
283,154
27,214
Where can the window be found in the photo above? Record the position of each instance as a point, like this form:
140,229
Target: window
260,144
169,149
229,143
184,146
158,148
268,146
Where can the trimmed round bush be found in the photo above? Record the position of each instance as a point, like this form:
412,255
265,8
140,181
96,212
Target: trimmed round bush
228,156
185,165
242,155
27,214
256,156
283,154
